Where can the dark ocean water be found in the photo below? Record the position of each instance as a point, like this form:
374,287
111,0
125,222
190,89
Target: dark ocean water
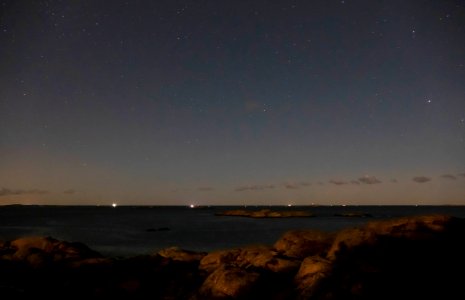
131,230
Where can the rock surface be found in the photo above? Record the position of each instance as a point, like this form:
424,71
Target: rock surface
182,255
415,257
303,243
229,282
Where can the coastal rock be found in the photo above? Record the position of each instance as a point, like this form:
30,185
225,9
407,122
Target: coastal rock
30,245
302,243
215,259
229,282
312,272
413,228
416,257
182,255
259,257
39,251
349,238
266,258
413,257
87,262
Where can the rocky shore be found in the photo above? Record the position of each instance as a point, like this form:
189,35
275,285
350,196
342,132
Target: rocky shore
415,257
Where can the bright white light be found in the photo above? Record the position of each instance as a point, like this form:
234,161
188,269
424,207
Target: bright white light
192,206
114,204
289,205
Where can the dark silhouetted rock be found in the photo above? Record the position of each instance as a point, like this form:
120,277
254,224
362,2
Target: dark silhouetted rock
420,227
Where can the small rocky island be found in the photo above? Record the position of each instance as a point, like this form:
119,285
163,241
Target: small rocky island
266,213
406,258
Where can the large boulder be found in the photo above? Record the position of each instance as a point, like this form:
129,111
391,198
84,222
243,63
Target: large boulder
40,251
412,256
417,227
229,282
312,273
411,228
215,259
302,243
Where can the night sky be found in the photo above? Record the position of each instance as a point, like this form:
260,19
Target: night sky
232,102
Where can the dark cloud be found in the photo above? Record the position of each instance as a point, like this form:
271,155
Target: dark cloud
10,192
461,174
205,189
254,188
448,176
338,182
291,186
421,179
69,192
355,182
369,180
393,180
305,183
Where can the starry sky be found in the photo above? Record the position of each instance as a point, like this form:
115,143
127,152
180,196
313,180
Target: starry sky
232,102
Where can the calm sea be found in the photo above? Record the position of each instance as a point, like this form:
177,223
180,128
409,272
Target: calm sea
131,230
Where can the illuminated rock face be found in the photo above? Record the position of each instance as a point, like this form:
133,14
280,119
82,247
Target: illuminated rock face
303,243
413,257
42,251
229,282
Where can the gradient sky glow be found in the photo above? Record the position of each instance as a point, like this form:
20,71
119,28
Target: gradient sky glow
232,102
